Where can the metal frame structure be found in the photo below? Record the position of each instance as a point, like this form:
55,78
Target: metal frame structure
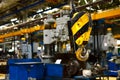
107,14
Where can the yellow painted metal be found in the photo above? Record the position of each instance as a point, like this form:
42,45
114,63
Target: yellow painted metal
23,39
80,23
95,16
84,37
79,54
117,36
1,40
22,31
111,13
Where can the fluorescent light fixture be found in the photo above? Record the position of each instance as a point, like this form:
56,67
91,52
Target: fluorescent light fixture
87,2
4,26
1,27
14,19
55,9
47,8
10,50
17,21
52,10
40,10
89,8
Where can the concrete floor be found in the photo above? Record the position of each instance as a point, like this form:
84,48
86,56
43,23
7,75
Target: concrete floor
2,77
110,78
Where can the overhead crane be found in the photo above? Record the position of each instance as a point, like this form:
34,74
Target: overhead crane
107,14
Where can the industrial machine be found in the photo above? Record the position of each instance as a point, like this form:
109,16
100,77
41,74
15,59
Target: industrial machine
65,39
109,41
73,29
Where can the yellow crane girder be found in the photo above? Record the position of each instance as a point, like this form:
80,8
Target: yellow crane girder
111,13
117,36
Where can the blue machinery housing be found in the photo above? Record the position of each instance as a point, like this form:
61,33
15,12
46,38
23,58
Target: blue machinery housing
22,69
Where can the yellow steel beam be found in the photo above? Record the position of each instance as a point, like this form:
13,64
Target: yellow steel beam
111,13
22,31
95,16
117,36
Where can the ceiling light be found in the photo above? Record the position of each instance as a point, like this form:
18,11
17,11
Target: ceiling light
17,21
51,11
14,19
39,11
47,8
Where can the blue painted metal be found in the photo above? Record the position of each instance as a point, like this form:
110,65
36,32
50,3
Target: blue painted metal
17,73
54,78
36,71
101,21
40,71
12,61
83,78
23,71
54,70
112,66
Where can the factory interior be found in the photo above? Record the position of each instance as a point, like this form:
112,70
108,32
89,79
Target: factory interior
59,39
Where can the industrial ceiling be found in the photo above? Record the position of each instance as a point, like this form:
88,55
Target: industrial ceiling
24,9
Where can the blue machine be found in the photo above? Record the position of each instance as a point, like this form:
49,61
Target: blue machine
22,69
53,71
112,66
